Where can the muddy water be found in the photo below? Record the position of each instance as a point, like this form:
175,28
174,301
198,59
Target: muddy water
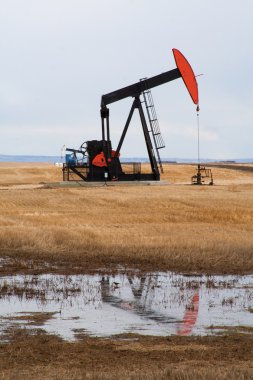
103,305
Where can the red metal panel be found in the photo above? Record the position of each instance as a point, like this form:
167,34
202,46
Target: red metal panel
99,160
188,75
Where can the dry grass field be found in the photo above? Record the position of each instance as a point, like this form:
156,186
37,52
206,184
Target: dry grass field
44,357
171,225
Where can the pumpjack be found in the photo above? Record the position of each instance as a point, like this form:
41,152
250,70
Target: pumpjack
95,160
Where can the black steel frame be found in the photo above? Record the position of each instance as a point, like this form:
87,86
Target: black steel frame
135,90
105,121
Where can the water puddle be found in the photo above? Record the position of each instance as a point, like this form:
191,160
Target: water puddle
158,304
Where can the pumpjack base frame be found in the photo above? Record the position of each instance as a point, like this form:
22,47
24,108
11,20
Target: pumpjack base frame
131,171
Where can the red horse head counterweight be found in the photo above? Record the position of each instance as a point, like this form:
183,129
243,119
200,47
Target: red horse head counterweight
99,160
187,74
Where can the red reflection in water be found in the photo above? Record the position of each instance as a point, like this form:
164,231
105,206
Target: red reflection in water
126,305
190,316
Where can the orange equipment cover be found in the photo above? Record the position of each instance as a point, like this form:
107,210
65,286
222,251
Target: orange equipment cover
187,74
99,160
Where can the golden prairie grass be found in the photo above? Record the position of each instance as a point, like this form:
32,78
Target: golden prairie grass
23,173
177,227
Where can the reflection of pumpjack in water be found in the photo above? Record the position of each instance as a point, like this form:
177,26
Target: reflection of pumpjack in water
140,305
190,317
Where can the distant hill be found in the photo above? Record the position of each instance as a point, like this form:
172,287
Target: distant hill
53,159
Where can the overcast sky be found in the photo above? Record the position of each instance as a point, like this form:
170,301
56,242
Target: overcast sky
59,56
